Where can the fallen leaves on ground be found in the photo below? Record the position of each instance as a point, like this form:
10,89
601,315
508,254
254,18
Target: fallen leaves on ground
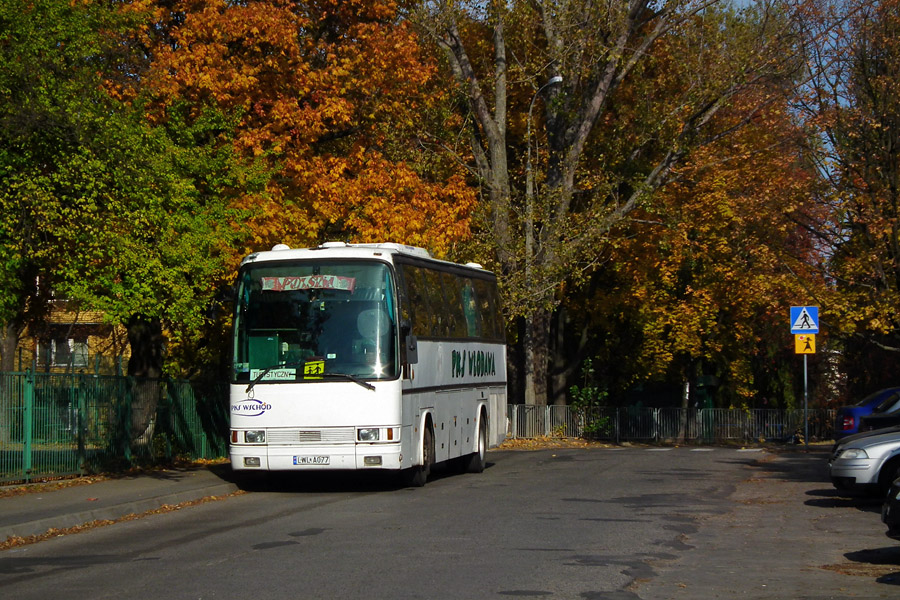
16,541
547,442
864,569
49,486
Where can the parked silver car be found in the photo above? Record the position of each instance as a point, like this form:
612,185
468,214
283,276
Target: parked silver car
870,462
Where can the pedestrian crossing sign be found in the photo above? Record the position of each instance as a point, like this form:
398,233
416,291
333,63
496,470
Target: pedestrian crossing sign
804,319
805,343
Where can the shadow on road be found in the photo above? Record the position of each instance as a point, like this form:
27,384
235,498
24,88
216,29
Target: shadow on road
881,563
795,464
834,498
309,482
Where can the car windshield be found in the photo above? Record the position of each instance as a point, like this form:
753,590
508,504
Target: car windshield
312,321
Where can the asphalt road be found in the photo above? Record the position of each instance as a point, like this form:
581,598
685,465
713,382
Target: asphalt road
617,524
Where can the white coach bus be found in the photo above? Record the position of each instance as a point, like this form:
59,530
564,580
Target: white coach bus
365,356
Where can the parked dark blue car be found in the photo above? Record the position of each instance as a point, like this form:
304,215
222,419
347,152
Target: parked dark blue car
886,414
847,420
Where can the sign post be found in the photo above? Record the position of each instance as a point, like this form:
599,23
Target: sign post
805,326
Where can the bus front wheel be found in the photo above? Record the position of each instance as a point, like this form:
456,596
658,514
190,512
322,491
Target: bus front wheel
418,475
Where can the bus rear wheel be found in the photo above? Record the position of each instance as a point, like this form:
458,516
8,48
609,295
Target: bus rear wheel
418,475
474,463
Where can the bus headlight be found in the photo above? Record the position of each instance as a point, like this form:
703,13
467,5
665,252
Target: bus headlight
255,437
368,435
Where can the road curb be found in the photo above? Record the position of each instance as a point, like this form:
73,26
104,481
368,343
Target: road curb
112,513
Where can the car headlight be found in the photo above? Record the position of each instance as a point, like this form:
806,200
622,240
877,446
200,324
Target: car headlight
851,453
255,437
368,435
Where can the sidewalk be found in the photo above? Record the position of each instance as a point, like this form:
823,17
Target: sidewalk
35,513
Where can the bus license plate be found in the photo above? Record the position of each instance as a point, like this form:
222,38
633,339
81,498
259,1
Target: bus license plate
311,460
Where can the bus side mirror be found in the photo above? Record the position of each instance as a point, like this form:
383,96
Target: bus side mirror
412,349
410,343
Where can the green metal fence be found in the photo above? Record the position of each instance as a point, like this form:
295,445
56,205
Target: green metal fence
702,426
66,424
55,425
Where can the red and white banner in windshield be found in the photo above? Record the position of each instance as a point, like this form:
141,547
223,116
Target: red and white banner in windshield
309,282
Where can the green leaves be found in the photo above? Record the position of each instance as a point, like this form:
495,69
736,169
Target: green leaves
98,204
146,146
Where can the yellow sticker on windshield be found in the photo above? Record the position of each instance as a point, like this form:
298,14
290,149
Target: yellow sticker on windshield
313,369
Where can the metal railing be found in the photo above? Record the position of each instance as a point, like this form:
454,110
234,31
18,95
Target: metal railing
65,424
710,425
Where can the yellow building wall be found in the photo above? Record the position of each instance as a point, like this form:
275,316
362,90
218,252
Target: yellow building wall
107,350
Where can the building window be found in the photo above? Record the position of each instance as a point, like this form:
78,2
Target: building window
64,352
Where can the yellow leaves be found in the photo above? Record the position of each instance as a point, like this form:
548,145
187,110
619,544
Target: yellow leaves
715,251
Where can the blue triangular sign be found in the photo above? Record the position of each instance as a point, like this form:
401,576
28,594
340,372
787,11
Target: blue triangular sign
804,319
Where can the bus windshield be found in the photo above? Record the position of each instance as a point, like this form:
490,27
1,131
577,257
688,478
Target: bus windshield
306,321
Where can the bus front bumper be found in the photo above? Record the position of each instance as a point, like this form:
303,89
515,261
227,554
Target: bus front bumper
316,458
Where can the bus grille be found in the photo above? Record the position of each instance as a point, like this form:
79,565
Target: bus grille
327,435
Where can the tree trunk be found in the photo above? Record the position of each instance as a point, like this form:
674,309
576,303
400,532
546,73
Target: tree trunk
685,404
8,345
145,338
12,333
537,344
146,341
559,360
567,352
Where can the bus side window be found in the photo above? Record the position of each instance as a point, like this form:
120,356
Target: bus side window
418,303
470,309
406,308
488,307
435,299
407,311
453,305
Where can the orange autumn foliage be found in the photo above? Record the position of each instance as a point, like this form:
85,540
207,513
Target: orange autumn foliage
322,94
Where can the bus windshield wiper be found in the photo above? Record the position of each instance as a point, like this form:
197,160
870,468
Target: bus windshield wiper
349,377
265,372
